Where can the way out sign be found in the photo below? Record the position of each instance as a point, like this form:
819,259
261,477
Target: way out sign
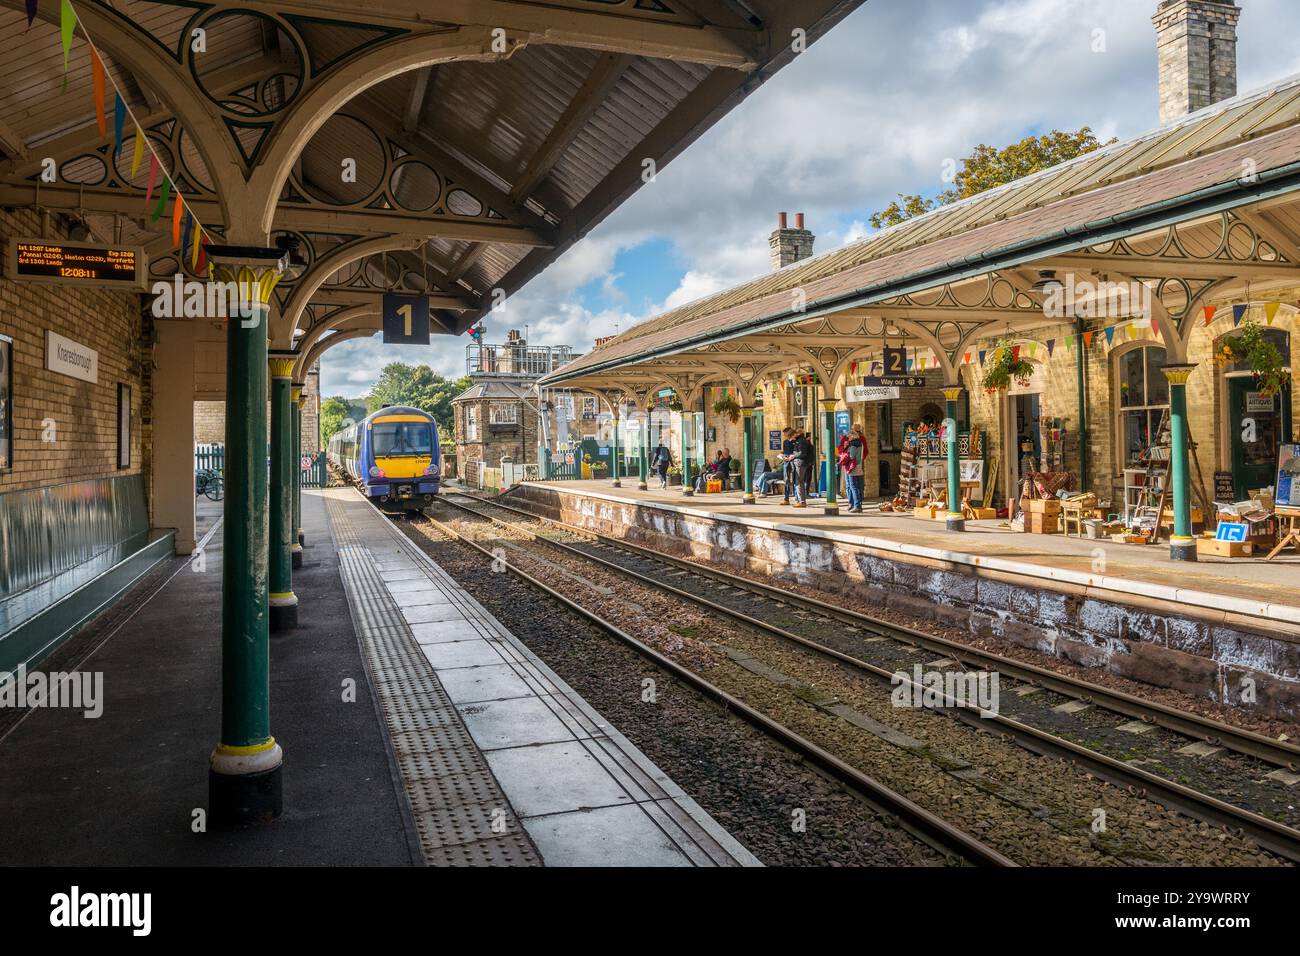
406,319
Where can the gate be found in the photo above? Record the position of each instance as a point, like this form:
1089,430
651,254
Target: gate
566,465
209,457
314,472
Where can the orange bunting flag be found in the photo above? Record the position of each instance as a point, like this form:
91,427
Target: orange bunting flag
1087,339
97,78
177,207
1209,313
1270,311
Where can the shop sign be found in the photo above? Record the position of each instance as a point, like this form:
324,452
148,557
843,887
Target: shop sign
70,358
1259,402
870,393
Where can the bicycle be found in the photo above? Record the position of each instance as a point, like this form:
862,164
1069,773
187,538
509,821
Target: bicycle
208,483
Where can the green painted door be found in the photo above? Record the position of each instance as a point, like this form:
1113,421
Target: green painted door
1257,424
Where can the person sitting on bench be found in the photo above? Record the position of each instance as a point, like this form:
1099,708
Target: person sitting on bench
717,470
764,475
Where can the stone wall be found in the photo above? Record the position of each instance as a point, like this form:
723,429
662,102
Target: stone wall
65,429
518,443
1199,651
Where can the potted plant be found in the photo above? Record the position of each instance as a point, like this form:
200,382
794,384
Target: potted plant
674,475
727,405
1007,365
675,403
1249,346
598,468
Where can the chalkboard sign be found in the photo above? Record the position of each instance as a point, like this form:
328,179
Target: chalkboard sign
1223,487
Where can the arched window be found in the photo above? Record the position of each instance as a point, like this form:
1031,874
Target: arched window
1142,400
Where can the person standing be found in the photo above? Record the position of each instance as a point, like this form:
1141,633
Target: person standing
660,462
856,451
809,456
799,462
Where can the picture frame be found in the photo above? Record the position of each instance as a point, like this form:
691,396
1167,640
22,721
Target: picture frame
123,425
6,403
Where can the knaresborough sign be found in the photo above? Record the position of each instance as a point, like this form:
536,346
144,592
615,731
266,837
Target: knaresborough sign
75,263
71,358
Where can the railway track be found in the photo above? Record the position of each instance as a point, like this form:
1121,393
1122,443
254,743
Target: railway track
656,569
932,829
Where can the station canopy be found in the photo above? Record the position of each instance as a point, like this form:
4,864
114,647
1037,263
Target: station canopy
1202,210
448,148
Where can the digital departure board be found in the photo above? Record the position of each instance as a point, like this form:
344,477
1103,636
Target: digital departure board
75,263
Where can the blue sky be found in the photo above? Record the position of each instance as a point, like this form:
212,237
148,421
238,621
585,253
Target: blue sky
871,110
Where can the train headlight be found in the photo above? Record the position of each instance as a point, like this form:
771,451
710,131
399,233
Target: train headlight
376,471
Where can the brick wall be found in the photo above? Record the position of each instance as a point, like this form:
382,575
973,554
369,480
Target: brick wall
210,417
519,443
80,417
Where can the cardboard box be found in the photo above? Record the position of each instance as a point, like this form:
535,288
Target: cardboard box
1224,549
1042,506
1044,524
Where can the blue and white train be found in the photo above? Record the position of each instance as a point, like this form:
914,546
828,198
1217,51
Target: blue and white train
392,457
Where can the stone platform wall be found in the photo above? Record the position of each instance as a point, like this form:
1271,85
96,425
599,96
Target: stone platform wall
1199,651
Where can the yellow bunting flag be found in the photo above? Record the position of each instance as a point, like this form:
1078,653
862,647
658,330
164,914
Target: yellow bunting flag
138,155
194,249
1270,311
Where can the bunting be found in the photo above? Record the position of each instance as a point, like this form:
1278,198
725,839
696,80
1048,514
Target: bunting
1209,313
138,154
1270,311
67,24
1110,334
1087,339
162,199
1051,347
153,180
184,244
31,12
97,81
1238,313
119,120
983,352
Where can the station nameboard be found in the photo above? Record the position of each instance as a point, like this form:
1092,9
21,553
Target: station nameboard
75,263
871,393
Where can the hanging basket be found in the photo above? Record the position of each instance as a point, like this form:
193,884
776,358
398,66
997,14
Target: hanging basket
1249,346
1006,367
728,406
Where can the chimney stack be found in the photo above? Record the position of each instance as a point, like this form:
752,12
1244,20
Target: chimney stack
790,245
1196,42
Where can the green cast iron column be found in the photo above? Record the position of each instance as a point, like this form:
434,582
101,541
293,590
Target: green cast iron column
284,603
296,396
746,457
614,454
245,768
828,441
1182,546
643,430
956,522
687,489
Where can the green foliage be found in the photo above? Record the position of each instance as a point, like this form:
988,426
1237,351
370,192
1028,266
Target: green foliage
1265,360
419,387
728,406
333,412
1004,367
987,167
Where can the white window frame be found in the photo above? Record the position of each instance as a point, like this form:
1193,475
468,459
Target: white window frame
503,413
471,423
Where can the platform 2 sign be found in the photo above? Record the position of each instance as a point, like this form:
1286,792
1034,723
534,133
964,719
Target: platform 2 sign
75,263
406,319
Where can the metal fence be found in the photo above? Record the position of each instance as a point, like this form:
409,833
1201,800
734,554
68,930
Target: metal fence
314,471
210,458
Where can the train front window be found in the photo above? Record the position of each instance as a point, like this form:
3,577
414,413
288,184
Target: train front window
401,438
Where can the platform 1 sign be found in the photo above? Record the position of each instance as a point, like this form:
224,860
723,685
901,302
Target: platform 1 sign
75,263
406,319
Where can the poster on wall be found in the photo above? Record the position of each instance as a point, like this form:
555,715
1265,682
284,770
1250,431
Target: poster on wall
774,439
1286,492
6,389
123,425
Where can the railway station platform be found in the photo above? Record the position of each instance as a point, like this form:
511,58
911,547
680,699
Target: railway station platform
416,729
1200,628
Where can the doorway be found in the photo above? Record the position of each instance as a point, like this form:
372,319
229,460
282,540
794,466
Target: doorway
1024,440
1257,424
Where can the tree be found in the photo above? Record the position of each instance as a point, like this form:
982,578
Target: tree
333,412
419,387
987,167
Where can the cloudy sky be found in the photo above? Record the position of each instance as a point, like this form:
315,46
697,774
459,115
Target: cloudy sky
871,110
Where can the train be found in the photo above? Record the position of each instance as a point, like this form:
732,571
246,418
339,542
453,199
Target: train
392,457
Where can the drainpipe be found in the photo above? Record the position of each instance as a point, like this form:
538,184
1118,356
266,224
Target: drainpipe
1083,405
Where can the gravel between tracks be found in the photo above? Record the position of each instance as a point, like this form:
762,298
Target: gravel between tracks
1033,809
747,782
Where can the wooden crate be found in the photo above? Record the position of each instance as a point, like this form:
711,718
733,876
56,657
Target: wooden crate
1212,547
927,513
985,514
1044,524
1042,506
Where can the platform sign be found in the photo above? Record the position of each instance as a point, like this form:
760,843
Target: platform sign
895,360
76,263
406,319
870,393
894,381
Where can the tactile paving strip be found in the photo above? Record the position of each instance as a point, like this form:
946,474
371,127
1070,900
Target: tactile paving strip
462,817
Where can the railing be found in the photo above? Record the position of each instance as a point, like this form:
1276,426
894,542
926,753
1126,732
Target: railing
314,471
523,360
210,458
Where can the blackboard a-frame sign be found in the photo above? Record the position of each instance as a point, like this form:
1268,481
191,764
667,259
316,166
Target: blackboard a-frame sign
406,319
1224,489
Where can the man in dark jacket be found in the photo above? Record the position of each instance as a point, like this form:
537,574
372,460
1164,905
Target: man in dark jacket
787,462
799,478
809,454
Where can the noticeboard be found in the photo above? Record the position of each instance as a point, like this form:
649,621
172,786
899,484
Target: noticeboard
774,439
1286,490
75,263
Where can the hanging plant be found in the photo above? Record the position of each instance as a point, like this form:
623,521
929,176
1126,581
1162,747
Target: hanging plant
1249,346
728,406
674,403
1005,367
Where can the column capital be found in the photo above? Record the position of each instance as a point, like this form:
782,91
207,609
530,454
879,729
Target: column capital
295,393
748,410
828,404
281,364
1178,374
952,392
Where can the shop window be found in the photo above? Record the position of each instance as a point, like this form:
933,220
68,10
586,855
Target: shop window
1143,400
471,423
6,392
